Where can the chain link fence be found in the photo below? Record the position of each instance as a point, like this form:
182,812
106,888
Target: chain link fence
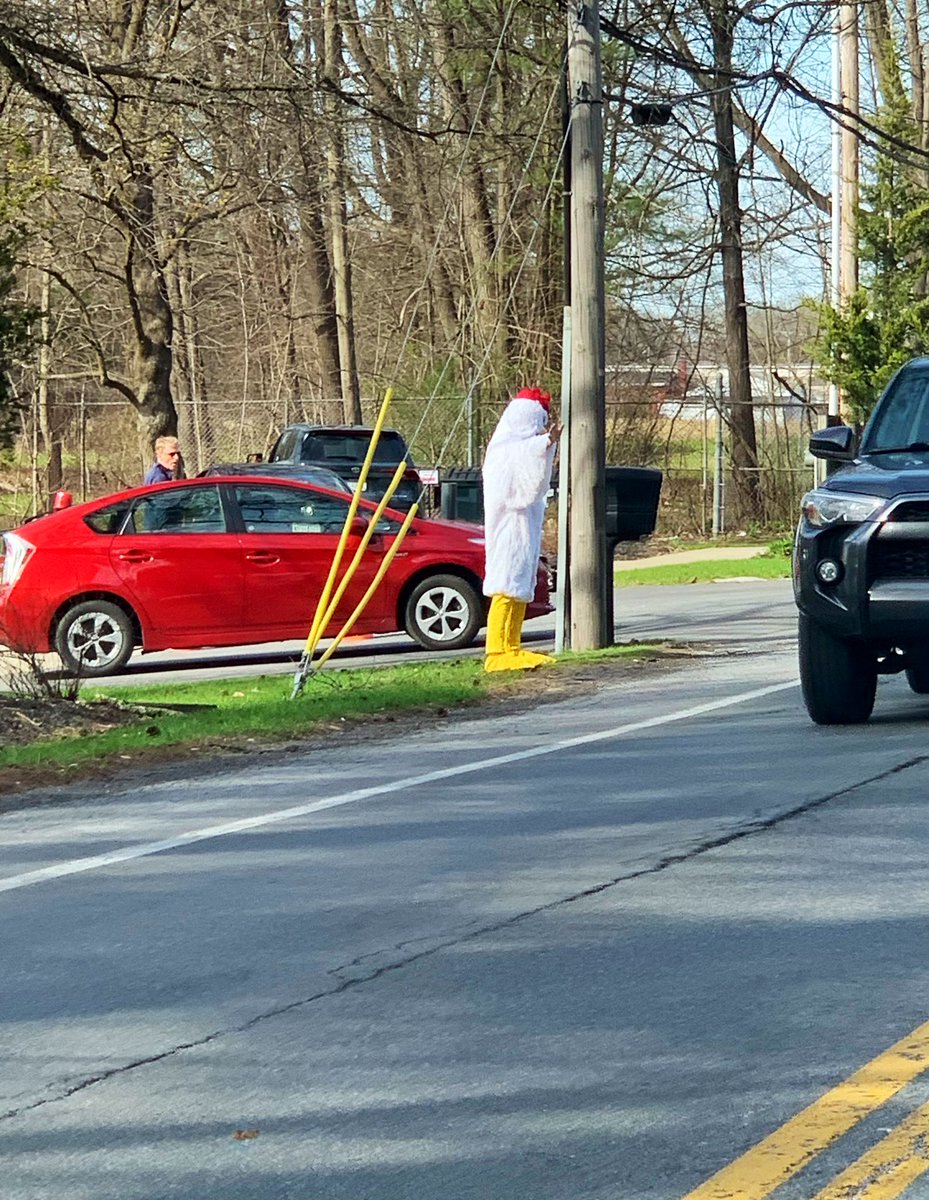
687,436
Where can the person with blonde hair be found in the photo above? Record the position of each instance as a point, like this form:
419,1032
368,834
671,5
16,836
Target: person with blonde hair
168,463
517,475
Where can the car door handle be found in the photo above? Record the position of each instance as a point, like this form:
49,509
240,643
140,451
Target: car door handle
134,556
264,557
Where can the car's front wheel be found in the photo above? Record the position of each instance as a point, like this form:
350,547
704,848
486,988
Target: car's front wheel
444,612
94,638
838,677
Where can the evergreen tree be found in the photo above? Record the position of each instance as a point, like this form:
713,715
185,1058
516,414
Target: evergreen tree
886,321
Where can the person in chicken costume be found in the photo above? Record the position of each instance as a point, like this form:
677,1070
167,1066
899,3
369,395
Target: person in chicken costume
517,475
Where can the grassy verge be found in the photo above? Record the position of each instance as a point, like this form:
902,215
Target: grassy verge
259,709
704,572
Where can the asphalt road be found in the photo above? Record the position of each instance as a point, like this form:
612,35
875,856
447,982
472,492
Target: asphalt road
762,612
594,951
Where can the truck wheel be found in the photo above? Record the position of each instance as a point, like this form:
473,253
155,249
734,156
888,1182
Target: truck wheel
917,675
838,677
94,638
444,612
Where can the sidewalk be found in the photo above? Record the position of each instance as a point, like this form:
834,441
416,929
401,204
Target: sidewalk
710,554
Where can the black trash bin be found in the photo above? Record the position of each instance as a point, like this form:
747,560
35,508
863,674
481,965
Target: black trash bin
461,494
632,495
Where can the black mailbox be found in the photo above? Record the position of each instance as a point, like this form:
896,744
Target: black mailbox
461,494
631,503
631,513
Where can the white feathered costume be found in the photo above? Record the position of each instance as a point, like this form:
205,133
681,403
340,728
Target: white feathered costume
517,475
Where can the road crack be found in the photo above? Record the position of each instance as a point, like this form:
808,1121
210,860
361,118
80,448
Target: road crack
370,967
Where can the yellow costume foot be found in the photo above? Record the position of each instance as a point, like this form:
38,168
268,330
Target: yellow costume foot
504,629
516,660
530,659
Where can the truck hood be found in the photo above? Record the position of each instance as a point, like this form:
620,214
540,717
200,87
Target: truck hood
885,475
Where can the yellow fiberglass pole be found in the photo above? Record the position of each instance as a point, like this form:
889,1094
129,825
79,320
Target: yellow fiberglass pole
372,588
353,565
318,625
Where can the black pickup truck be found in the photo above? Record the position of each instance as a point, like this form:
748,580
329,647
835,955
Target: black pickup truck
861,556
302,450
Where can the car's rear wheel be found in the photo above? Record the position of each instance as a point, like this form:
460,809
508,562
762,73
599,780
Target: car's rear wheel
94,638
838,677
444,612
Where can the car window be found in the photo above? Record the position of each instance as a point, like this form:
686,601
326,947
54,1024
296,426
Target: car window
109,519
342,448
268,509
285,445
178,510
903,416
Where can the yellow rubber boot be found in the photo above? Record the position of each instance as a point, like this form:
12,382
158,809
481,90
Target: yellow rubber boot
521,660
499,622
495,642
504,631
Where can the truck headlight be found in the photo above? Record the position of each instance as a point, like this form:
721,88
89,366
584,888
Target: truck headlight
821,507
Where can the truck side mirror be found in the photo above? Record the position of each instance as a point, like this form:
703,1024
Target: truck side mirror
836,443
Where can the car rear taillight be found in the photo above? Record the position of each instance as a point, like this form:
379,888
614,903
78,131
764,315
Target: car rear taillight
17,552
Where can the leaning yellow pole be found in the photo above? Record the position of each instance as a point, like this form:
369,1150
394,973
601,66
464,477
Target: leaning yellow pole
353,565
323,603
317,626
372,587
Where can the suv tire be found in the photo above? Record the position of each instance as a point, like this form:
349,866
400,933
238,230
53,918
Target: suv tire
444,612
838,676
94,638
917,675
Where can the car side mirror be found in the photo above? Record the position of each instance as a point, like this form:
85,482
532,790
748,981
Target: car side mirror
836,443
358,527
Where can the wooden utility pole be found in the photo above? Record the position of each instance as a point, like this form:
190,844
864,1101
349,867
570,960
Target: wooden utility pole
589,573
848,52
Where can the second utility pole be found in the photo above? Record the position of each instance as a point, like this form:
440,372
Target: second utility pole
589,573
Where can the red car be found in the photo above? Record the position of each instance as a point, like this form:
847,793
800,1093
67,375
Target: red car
224,562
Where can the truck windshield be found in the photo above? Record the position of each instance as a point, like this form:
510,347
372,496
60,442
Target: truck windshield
351,448
901,420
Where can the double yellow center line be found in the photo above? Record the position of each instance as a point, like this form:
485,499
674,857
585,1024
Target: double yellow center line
881,1174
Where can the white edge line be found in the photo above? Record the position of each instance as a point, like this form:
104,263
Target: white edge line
145,849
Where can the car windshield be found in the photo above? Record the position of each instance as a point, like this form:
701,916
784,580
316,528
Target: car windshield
351,448
901,420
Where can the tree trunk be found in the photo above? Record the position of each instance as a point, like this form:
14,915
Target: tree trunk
341,262
152,319
743,449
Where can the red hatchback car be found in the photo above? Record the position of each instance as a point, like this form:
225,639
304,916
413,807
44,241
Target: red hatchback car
224,562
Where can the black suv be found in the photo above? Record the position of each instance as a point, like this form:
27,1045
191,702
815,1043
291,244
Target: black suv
861,556
342,448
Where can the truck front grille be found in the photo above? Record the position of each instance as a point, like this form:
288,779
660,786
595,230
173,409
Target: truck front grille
910,510
900,560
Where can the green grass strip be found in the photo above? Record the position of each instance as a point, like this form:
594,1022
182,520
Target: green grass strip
260,708
705,572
